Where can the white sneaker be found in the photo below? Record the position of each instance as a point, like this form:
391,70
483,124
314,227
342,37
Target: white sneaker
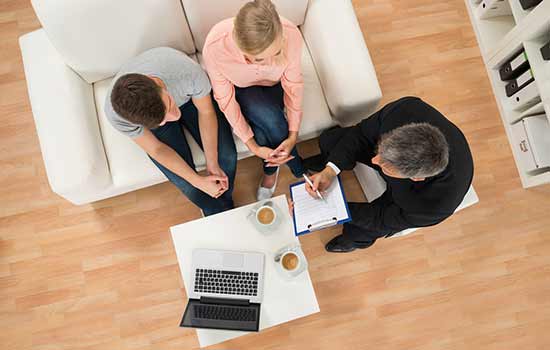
266,193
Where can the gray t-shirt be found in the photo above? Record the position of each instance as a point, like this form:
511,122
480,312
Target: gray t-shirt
183,77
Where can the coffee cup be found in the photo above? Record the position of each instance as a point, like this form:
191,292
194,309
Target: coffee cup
290,261
265,215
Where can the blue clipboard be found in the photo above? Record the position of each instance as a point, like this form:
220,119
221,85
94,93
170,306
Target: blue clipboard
329,222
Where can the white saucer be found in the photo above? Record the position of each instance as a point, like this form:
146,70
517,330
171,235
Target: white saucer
263,228
290,275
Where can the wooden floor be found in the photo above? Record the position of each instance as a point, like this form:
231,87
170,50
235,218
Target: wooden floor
105,276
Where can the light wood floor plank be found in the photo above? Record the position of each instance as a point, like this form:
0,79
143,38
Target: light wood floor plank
105,275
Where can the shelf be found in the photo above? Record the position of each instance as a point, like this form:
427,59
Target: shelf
539,67
490,32
536,109
512,116
493,30
501,39
518,11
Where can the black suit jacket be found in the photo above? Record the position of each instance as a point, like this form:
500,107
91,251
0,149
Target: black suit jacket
410,204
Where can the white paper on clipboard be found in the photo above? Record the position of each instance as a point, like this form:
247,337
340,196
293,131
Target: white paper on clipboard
313,213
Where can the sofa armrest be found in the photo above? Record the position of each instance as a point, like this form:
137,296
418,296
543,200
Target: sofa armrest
66,121
335,42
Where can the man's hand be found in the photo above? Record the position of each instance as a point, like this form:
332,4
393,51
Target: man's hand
211,185
321,181
290,207
214,169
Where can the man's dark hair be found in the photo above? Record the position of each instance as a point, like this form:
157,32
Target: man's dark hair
137,98
416,150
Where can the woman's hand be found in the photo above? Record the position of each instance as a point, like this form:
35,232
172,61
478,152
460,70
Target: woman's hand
287,145
281,154
267,154
263,152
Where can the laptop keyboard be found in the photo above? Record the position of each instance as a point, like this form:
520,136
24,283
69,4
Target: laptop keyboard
226,282
226,313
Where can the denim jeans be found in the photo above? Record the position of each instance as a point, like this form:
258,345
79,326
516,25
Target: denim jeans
172,135
263,108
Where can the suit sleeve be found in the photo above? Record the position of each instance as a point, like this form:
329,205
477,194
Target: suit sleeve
361,139
382,215
385,216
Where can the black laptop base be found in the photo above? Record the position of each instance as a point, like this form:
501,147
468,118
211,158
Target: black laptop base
221,313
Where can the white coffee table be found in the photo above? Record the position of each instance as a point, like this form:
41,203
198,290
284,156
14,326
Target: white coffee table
284,300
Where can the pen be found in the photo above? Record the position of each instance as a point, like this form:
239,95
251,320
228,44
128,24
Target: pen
311,184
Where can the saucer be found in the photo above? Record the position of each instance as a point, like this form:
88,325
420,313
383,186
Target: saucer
296,249
261,228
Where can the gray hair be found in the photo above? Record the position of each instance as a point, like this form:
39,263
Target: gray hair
415,150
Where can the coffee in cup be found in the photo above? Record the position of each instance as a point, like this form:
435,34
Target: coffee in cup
265,215
290,261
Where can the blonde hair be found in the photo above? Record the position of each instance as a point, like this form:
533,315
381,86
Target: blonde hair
257,26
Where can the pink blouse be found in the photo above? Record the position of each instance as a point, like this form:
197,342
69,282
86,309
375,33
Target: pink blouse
227,68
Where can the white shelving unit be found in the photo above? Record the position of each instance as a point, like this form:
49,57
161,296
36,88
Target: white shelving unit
500,39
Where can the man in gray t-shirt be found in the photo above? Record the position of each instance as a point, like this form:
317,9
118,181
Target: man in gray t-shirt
155,96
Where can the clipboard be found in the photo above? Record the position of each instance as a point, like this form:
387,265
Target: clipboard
324,222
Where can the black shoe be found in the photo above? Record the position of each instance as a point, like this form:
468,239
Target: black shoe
340,245
316,163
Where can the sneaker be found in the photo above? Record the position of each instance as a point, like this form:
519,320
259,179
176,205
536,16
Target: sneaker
266,193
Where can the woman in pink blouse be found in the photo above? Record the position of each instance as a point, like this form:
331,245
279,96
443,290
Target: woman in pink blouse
254,64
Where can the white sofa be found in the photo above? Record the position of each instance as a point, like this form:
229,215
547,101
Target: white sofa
69,64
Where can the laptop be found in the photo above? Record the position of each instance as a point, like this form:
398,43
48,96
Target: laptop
226,290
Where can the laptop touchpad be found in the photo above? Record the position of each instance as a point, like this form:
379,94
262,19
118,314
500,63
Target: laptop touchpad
233,260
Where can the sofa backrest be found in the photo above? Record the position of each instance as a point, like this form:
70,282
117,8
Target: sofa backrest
96,37
204,14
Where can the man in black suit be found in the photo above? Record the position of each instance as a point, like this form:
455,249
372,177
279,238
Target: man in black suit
423,157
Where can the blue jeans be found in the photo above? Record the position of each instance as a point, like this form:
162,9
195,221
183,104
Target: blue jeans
263,108
172,135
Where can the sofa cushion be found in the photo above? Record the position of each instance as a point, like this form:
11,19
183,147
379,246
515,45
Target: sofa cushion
203,15
96,37
130,166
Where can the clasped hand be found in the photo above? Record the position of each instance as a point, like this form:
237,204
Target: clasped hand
279,155
215,183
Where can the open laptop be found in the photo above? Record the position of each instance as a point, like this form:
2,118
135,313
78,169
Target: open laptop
226,290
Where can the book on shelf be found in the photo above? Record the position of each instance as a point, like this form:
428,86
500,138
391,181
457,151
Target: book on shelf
514,67
528,4
493,8
519,83
545,51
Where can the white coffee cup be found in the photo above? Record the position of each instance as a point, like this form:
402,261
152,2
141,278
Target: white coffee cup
290,261
264,213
